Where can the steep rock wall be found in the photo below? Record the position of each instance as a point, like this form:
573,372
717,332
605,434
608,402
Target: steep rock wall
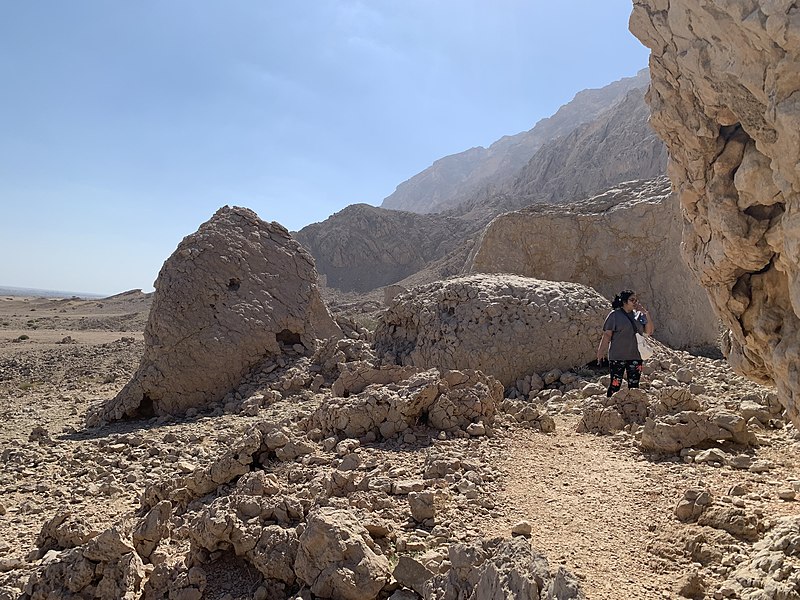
627,237
724,98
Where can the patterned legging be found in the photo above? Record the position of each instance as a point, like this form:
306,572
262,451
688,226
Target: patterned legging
620,368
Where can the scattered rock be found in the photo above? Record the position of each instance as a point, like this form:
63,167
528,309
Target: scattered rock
522,528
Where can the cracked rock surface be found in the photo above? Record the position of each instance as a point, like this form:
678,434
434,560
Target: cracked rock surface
504,325
724,98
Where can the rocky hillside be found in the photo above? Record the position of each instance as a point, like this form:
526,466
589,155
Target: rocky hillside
324,475
617,146
449,180
364,247
731,119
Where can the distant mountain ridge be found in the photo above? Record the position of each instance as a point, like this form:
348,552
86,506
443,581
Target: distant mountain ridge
363,247
38,293
453,179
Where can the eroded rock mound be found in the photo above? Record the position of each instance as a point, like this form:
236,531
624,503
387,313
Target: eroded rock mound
724,98
503,325
231,294
400,397
629,238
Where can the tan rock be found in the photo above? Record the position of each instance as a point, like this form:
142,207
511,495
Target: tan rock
724,98
686,429
229,296
626,238
152,528
503,325
499,568
404,395
337,558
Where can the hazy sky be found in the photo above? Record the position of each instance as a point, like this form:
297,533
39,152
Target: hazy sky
125,125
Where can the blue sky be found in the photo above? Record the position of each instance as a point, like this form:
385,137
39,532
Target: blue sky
125,125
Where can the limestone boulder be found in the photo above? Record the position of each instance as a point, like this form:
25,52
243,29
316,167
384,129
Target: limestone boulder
724,98
106,567
231,295
672,433
65,530
499,568
625,238
237,522
503,325
386,401
608,415
337,558
152,528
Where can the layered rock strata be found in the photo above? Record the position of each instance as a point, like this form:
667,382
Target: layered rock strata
724,98
503,325
233,293
626,238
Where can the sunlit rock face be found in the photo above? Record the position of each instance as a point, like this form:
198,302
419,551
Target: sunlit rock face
233,293
724,98
625,238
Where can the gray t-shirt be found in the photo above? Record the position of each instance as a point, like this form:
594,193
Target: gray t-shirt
623,339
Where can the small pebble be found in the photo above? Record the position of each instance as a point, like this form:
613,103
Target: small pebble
522,528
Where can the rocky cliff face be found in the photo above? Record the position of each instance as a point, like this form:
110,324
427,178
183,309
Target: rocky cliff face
363,247
724,98
455,178
625,238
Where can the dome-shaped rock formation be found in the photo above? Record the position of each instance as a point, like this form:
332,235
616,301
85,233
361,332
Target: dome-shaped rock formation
503,325
626,238
724,97
230,295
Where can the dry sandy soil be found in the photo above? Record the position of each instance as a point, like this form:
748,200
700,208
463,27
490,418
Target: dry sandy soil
596,504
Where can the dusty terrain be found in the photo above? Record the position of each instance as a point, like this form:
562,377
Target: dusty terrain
596,504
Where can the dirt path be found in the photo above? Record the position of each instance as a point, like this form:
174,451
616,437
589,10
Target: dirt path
594,504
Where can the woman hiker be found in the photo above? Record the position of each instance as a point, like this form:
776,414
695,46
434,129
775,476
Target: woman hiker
622,324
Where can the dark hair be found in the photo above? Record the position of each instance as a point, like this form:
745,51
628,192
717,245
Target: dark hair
622,298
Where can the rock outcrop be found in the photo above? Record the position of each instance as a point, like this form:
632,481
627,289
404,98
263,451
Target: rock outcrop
399,397
626,238
503,325
232,294
724,98
337,558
